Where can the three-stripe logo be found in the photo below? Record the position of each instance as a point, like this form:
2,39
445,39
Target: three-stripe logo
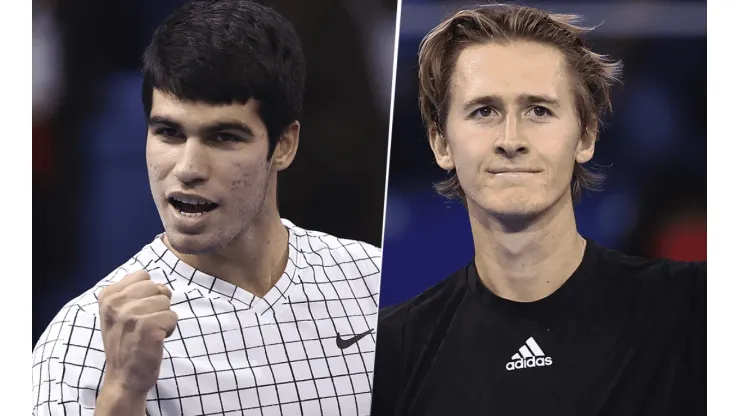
530,355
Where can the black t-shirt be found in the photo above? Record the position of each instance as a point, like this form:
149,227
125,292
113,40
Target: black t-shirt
622,336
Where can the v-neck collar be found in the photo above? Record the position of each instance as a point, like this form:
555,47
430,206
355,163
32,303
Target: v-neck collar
181,276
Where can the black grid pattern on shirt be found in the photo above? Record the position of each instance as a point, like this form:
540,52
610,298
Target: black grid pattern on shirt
69,359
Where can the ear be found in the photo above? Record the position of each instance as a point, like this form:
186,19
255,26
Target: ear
441,148
286,147
587,143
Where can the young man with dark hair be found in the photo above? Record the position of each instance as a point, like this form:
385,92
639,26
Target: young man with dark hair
232,310
542,321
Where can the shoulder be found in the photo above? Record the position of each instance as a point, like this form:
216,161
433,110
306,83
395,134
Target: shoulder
88,300
429,303
322,249
68,362
645,271
68,358
412,321
312,241
336,268
655,284
83,309
403,331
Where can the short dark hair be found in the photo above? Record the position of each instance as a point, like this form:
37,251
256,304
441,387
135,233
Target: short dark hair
229,51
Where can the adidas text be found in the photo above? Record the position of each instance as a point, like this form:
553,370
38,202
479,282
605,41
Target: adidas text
529,363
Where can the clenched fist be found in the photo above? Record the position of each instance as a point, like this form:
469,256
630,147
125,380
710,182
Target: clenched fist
135,319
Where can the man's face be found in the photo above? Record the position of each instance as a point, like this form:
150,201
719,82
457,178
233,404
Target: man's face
512,131
208,170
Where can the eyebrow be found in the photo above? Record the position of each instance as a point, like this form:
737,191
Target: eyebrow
160,121
522,99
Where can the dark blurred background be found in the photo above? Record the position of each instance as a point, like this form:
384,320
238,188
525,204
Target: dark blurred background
653,150
92,208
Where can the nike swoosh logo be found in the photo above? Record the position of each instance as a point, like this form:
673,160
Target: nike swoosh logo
346,343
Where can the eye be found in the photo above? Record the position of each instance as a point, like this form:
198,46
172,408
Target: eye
540,111
226,138
167,132
483,112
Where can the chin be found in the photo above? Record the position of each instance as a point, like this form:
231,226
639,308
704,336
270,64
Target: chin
514,212
514,205
193,243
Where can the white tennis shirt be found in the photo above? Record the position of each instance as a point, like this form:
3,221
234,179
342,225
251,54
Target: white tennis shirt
305,348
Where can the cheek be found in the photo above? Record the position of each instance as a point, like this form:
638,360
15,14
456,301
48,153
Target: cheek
470,146
237,185
247,182
157,160
559,161
247,175
155,170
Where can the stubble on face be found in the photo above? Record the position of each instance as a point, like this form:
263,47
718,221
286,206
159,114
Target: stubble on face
234,172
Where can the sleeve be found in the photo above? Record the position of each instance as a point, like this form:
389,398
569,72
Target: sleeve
68,364
389,359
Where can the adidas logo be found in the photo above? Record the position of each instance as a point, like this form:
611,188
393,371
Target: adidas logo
530,355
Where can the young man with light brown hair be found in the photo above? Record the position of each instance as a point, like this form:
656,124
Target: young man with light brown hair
543,321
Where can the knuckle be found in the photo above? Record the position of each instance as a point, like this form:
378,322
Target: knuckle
166,299
130,318
130,322
106,293
115,300
108,310
161,302
152,329
147,284
146,324
108,317
102,304
147,288
165,290
141,274
127,316
135,273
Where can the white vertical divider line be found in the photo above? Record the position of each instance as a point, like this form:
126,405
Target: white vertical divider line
390,123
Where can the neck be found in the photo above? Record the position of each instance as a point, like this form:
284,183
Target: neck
255,259
526,260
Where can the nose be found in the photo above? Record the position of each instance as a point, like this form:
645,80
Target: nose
192,165
511,142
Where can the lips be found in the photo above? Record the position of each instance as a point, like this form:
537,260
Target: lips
512,170
191,204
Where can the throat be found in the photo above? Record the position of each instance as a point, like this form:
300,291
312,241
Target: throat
253,262
530,272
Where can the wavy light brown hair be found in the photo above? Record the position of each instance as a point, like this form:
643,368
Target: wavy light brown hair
594,74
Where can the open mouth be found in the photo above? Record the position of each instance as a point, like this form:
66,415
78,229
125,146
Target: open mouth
192,207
